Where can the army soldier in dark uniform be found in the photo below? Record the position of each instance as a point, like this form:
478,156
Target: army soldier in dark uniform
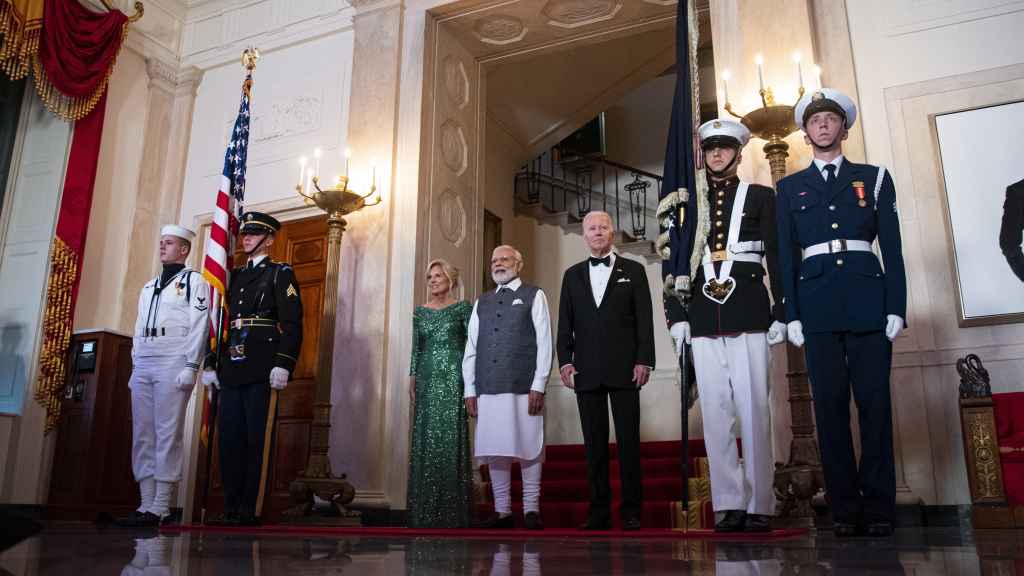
845,307
1012,228
732,322
264,336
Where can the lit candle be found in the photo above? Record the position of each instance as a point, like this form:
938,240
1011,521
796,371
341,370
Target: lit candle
817,76
348,157
302,169
759,60
726,75
373,180
316,154
797,57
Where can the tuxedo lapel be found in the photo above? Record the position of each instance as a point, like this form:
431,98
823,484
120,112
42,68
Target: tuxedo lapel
584,271
617,273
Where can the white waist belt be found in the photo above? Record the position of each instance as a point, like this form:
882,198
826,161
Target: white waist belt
165,331
741,257
833,246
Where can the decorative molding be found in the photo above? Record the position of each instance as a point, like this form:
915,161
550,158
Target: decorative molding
451,216
454,149
456,81
499,30
576,13
923,15
170,78
666,3
300,114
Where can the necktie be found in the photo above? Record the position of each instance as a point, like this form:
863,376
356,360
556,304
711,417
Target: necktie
830,169
607,260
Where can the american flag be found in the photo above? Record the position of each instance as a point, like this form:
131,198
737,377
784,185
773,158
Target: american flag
226,215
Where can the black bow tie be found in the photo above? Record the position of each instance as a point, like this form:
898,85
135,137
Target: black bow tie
607,261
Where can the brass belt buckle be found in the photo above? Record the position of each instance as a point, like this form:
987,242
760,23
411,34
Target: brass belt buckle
719,256
838,245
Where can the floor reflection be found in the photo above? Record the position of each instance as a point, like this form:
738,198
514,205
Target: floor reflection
83,550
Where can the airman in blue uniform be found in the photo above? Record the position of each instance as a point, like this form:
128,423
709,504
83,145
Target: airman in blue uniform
845,306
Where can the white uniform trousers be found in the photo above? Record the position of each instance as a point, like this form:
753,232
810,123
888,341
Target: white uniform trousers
158,416
732,377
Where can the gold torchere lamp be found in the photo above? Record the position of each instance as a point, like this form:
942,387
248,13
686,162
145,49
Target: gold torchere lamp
801,478
338,200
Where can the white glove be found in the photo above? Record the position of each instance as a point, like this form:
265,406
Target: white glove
278,378
893,326
683,285
795,333
680,332
186,379
210,379
776,333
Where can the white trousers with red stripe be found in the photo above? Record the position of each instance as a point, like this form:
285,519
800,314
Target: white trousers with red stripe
732,377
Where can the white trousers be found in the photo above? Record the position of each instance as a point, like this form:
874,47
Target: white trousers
732,377
158,417
500,469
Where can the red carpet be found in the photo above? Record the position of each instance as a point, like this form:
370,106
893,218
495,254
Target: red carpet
651,533
564,490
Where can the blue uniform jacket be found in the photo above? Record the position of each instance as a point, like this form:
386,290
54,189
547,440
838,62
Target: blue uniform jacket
845,291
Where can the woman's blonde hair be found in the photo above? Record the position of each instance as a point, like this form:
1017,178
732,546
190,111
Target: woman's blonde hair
451,272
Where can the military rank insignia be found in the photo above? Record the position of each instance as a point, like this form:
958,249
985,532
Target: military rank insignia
291,292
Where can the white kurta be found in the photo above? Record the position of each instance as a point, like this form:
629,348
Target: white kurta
504,424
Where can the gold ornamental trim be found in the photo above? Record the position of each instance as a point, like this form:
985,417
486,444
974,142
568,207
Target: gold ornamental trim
56,331
21,24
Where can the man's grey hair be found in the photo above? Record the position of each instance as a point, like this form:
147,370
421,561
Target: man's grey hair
595,213
515,253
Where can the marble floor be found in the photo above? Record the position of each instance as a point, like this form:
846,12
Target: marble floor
84,550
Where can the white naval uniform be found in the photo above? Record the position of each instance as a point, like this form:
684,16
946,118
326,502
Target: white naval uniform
170,335
505,429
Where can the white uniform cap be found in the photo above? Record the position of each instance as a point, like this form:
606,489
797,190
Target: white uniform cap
179,231
825,99
723,131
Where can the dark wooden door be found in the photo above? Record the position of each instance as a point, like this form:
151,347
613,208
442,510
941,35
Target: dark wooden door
303,244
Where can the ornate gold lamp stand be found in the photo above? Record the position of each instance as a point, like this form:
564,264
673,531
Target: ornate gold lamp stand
801,477
317,479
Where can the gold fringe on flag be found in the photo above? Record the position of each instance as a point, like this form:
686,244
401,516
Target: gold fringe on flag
21,23
56,331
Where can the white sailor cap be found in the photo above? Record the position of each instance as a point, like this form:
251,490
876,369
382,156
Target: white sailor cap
825,99
723,132
179,231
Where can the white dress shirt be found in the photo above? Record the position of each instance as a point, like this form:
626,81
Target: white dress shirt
542,327
255,260
820,165
599,276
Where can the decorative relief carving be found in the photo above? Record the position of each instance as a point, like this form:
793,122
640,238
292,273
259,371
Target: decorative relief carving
500,30
456,82
575,13
988,482
454,149
298,115
307,252
451,216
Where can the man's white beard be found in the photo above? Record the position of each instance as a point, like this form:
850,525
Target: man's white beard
503,277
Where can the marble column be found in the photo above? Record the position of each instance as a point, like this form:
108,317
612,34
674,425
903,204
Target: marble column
168,123
360,389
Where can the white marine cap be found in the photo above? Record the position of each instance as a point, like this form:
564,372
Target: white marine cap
723,132
179,231
825,99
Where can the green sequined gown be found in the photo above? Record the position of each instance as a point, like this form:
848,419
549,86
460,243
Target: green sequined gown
440,473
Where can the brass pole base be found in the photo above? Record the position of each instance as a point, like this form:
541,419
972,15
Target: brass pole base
338,492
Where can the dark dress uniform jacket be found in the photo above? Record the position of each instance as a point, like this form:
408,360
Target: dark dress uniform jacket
845,291
1012,228
748,308
267,291
605,343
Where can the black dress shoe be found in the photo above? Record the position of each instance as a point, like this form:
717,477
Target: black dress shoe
733,521
878,529
631,524
532,521
844,529
497,522
596,525
248,519
139,520
758,523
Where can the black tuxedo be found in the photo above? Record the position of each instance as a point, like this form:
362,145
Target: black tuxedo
604,343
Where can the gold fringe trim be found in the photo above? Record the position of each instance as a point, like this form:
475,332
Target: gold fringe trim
65,106
56,332
19,40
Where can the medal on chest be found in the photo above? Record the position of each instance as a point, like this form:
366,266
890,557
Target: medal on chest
858,189
719,287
